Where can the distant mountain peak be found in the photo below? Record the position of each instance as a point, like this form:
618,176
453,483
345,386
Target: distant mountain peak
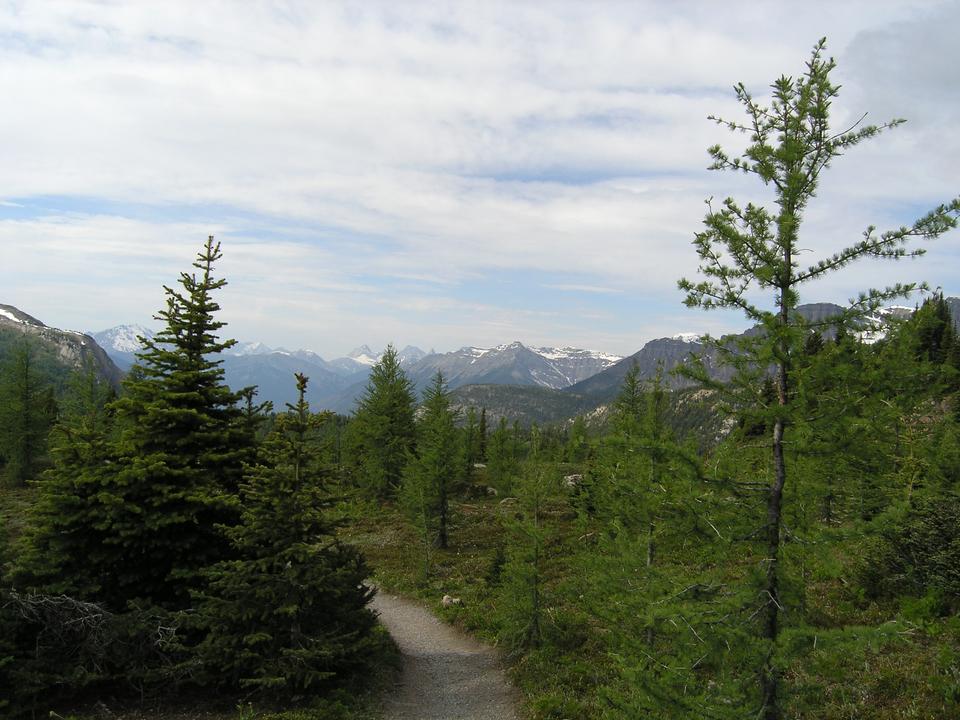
249,348
364,355
411,354
122,338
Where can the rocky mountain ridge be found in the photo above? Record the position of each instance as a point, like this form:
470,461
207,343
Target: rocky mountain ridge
587,378
66,349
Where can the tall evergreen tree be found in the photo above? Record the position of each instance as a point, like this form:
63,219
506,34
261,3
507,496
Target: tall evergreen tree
27,412
577,445
289,614
383,426
501,458
746,247
430,477
181,449
67,547
523,605
471,443
482,436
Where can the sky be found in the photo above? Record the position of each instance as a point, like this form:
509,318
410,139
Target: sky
440,174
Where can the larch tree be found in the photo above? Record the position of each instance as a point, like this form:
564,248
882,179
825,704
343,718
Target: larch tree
383,431
501,458
522,602
431,475
744,249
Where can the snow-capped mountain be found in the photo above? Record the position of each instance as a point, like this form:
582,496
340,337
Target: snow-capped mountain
249,348
364,355
361,359
511,364
122,342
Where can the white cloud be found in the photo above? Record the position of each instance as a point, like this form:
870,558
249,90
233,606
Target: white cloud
379,147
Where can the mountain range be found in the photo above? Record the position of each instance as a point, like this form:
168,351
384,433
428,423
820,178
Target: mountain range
337,384
513,380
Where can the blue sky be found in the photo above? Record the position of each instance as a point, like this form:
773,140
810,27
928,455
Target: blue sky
436,174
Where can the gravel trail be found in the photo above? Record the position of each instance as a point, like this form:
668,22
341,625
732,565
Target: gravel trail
446,675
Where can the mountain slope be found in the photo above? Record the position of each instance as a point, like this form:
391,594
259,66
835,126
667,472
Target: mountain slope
64,350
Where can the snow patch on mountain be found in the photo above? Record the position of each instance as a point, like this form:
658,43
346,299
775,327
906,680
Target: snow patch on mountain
571,353
876,326
688,337
10,316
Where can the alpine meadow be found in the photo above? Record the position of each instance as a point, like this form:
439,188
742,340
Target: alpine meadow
758,523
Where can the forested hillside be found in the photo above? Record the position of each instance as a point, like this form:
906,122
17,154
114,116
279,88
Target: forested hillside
770,531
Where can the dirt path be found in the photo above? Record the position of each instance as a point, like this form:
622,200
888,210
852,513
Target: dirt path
446,675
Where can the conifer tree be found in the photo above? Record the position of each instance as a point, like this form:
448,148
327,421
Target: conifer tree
576,450
471,443
67,547
383,426
482,433
934,331
743,248
501,458
430,477
289,614
27,411
522,593
181,449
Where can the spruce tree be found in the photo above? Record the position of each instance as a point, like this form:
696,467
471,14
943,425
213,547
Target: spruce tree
181,449
743,248
383,426
289,615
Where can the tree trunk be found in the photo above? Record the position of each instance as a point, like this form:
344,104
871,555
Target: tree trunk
771,625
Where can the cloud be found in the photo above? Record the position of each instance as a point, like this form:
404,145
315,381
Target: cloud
372,168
